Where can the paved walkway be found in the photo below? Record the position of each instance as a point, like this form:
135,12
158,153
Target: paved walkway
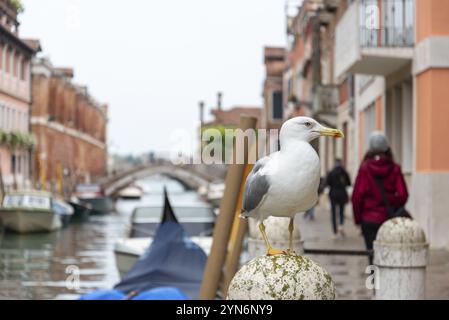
348,272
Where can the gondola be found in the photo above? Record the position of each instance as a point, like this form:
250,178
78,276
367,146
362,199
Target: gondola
171,267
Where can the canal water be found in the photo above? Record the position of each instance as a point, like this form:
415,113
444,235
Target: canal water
46,266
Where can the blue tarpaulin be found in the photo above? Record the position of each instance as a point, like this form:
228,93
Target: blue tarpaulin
171,268
173,259
163,293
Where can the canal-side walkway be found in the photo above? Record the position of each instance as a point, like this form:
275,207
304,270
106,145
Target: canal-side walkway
348,272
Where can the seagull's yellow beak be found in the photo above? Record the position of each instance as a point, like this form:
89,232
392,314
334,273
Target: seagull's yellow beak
331,133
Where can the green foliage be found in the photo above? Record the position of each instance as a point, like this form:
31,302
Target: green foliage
17,4
16,139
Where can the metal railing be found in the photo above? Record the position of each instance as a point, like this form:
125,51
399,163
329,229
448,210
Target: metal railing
390,24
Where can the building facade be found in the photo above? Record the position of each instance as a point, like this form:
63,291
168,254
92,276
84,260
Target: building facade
70,128
388,60
308,84
15,97
365,65
272,115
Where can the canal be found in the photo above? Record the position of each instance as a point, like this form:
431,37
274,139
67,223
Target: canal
42,266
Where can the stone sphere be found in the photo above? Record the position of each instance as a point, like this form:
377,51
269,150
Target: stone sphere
401,231
281,277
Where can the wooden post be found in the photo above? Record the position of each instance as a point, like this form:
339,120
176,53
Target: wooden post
239,228
222,230
59,179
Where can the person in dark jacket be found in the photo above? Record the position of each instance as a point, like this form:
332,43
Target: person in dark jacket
337,180
368,207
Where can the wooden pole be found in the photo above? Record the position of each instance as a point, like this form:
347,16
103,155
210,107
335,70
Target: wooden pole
222,230
239,229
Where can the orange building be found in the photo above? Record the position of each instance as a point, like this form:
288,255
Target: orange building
365,65
398,52
70,127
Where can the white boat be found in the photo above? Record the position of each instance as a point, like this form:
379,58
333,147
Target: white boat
215,193
131,192
33,211
93,195
128,250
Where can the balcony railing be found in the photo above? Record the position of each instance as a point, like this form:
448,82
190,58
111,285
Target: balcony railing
390,24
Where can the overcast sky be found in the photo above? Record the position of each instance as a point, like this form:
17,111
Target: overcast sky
152,61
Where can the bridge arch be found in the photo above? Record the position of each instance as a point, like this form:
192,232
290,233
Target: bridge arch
186,175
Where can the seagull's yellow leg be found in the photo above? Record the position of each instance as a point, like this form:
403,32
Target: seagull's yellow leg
290,239
270,250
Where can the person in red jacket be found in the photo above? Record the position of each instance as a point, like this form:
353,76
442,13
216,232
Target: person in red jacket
368,207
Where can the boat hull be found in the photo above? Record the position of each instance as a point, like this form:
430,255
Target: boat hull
100,205
148,229
128,251
23,221
80,212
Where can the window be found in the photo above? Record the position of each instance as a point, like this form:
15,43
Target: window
13,163
277,105
7,60
23,70
15,65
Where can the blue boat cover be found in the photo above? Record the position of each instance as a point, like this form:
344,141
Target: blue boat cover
172,260
103,295
171,268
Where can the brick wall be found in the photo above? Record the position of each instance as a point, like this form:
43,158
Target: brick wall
70,128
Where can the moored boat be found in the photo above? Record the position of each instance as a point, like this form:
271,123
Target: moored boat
132,192
170,266
63,210
196,220
215,193
128,250
81,211
33,211
93,195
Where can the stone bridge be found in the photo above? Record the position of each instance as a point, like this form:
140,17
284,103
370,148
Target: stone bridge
187,175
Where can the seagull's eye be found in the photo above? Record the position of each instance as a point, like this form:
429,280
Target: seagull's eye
308,124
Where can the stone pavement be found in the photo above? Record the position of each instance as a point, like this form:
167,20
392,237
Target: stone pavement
348,272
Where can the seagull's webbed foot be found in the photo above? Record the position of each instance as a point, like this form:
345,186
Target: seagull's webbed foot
274,252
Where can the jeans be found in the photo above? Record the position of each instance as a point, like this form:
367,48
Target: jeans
341,211
369,230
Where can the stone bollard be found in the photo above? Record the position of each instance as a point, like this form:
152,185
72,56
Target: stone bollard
281,277
400,253
277,232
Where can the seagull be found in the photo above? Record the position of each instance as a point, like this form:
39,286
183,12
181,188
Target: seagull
286,182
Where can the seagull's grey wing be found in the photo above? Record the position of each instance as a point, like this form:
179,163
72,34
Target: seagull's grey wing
256,187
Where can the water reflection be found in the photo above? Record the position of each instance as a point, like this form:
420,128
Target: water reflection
35,266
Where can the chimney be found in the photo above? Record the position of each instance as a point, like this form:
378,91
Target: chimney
219,97
201,106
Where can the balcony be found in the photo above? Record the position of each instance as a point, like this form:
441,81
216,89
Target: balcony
374,40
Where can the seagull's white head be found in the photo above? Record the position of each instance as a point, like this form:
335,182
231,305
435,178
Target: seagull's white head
305,129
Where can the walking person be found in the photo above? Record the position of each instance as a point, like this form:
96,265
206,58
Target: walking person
337,180
378,186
